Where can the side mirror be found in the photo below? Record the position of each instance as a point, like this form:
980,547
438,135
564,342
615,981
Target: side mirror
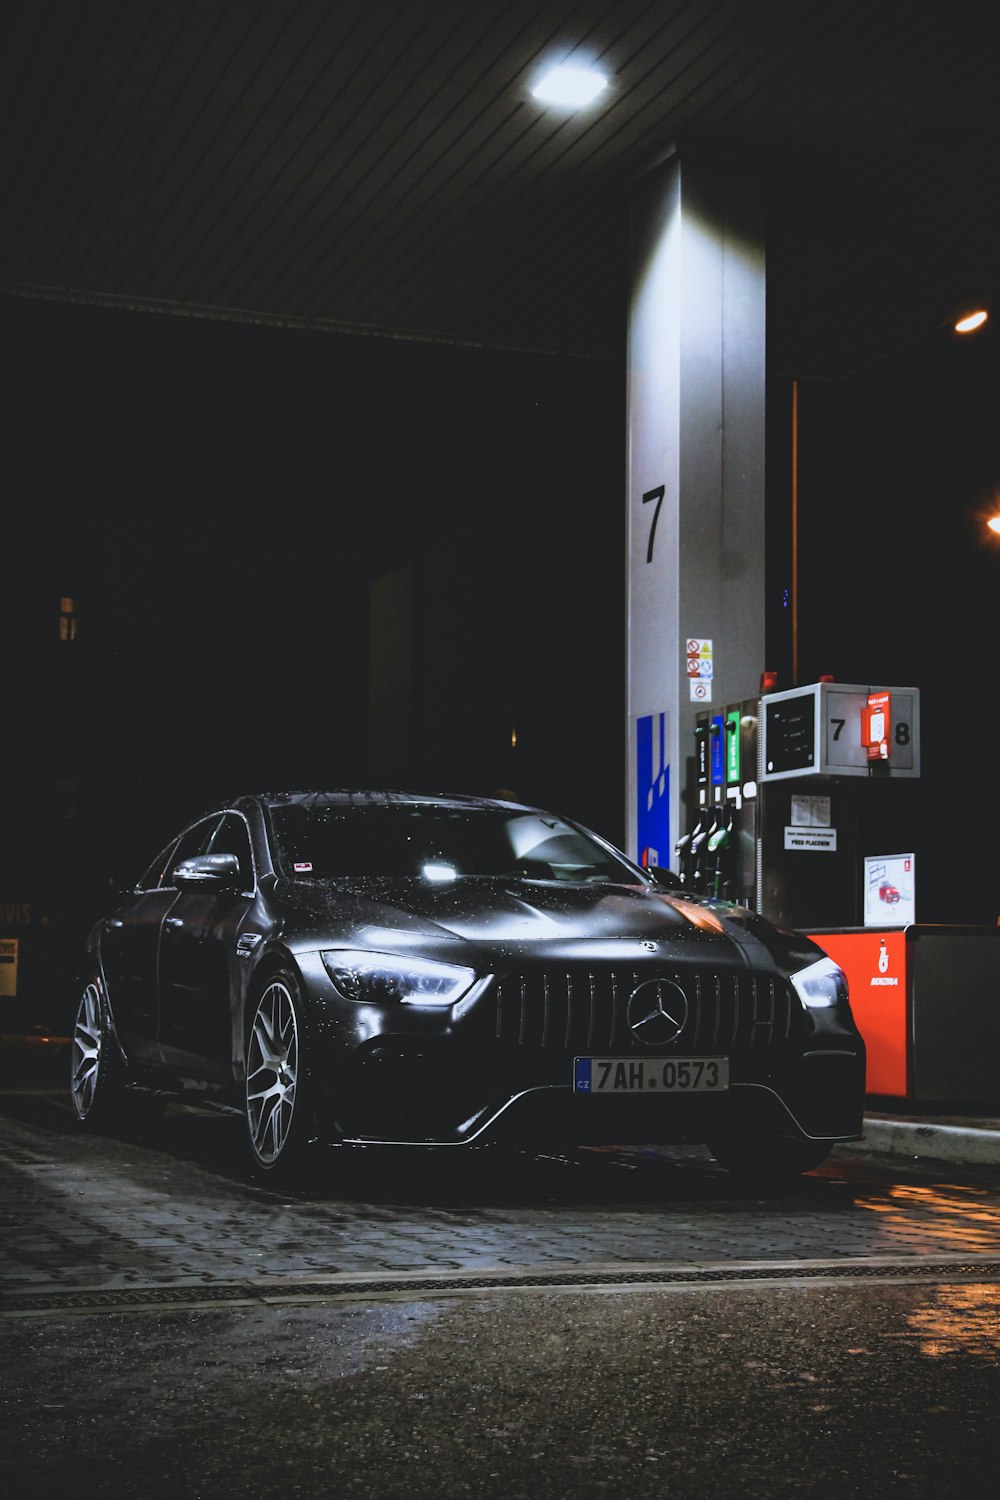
665,877
208,872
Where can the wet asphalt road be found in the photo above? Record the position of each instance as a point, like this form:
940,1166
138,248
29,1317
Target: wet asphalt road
614,1323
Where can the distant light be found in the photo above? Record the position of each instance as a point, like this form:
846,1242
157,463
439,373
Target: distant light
67,619
974,320
439,872
994,523
571,86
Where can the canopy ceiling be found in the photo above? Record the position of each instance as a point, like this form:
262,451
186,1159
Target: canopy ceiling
380,166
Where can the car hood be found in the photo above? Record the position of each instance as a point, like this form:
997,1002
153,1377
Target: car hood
527,918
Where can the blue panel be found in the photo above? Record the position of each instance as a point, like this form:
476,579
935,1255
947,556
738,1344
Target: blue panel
652,790
718,739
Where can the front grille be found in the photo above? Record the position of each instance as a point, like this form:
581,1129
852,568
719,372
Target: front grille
581,1010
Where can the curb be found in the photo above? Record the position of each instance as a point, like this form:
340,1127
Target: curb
952,1143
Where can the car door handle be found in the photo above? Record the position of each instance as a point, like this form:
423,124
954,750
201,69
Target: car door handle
174,922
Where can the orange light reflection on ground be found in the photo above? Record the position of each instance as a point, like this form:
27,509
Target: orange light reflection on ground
952,1216
962,1320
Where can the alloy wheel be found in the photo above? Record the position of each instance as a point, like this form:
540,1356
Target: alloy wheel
88,1050
272,1073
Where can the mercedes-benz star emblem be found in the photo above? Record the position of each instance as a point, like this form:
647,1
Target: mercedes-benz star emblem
657,1011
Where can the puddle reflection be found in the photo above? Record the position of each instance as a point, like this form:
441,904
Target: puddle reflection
963,1319
956,1216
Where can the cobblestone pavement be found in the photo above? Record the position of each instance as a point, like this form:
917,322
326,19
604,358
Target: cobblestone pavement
172,1209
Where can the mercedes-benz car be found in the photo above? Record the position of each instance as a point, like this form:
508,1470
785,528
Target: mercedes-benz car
355,969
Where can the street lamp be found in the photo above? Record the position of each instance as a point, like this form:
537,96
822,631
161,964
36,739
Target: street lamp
972,321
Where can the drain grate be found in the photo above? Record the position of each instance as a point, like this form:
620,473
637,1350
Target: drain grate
216,1294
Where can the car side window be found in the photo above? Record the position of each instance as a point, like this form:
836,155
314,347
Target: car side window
194,841
159,871
231,837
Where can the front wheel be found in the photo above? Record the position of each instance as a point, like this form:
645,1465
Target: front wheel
95,1083
275,1086
768,1158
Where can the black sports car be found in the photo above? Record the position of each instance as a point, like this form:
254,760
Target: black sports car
363,968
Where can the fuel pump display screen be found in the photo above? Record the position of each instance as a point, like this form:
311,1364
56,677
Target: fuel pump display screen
790,734
820,731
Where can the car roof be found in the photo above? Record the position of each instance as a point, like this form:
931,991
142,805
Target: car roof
381,797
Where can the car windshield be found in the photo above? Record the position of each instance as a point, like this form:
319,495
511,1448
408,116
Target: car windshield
438,844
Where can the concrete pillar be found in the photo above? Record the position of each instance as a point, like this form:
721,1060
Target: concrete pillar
695,524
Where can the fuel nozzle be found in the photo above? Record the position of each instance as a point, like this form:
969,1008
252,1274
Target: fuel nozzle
720,850
699,845
685,847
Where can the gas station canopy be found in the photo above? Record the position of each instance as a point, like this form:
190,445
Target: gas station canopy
383,168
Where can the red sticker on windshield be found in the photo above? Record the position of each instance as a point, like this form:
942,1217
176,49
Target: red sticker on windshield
302,866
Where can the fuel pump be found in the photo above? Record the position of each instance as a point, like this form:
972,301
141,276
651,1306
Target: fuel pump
689,848
839,768
721,854
706,848
717,855
794,789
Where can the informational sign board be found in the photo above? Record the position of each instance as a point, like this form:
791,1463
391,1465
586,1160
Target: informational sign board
811,812
823,729
811,840
8,968
652,781
700,668
810,831
890,890
876,724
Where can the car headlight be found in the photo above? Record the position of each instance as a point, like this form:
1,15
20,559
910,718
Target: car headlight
378,978
822,984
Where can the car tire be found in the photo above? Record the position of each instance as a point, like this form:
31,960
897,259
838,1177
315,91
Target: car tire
768,1158
275,1111
96,1081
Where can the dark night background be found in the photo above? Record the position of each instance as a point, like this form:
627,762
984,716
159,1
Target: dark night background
219,497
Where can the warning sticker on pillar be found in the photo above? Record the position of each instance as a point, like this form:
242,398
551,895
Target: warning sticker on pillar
700,668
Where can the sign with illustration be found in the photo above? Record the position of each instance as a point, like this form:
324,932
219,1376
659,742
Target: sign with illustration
700,668
890,899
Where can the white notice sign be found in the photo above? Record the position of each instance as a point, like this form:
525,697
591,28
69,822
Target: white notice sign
815,840
810,812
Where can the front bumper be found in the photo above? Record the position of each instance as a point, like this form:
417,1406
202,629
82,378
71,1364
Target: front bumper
394,1094
501,1068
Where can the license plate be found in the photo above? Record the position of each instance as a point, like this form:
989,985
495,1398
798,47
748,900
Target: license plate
647,1075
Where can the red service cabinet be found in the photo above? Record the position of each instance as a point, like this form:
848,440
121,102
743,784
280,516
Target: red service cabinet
926,999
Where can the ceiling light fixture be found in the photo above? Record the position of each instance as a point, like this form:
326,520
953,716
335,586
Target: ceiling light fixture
572,86
971,321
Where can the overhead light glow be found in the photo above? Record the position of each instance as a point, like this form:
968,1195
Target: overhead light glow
572,86
974,320
994,523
